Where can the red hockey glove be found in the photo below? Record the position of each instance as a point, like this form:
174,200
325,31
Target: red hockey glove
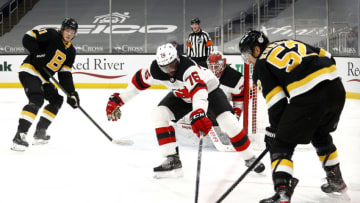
199,122
113,107
237,112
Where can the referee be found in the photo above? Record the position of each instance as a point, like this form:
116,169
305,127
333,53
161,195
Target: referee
199,44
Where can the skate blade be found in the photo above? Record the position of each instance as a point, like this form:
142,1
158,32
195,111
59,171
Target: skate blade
40,142
176,173
339,196
18,148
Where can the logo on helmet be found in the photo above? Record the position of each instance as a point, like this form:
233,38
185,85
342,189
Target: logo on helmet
162,55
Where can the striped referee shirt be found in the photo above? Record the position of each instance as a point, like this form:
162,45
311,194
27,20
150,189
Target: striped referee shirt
199,46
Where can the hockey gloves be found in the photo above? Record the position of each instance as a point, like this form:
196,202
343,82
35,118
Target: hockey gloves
113,107
270,134
237,112
39,61
73,99
199,122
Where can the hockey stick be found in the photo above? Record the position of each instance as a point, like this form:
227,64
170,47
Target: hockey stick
120,142
218,144
198,167
227,192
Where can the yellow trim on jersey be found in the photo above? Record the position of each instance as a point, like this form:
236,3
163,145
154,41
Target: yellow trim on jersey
306,82
322,52
284,162
33,69
274,96
28,113
33,33
333,155
49,113
67,67
67,44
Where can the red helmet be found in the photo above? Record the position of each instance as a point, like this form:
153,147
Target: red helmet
216,63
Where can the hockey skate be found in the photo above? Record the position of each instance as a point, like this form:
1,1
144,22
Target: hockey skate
19,142
283,193
260,167
335,183
40,137
170,168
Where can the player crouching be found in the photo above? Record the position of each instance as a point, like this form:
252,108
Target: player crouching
194,90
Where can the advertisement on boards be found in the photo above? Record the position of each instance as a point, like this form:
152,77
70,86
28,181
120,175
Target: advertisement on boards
115,71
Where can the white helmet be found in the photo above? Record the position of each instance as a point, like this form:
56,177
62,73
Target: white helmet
165,54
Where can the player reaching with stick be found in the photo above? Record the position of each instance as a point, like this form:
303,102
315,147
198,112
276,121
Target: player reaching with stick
51,50
305,97
192,89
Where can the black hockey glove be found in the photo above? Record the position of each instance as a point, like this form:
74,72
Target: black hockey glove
270,134
39,61
73,100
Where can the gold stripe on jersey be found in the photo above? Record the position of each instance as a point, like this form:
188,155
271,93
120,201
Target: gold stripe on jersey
274,96
27,67
332,160
31,33
67,68
67,44
49,113
311,80
322,53
29,114
285,165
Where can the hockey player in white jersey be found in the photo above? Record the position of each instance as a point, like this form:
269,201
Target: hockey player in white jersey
192,89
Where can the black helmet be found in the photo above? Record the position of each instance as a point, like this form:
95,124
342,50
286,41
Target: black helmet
251,39
69,23
195,20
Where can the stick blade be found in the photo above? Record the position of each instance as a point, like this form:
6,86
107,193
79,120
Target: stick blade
122,141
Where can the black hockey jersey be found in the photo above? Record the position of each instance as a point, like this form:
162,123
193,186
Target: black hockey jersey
289,68
59,56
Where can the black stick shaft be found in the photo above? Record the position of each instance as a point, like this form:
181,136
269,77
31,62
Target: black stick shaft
82,110
242,176
198,168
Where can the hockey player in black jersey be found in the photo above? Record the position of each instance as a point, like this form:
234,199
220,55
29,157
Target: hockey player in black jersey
305,97
192,89
51,50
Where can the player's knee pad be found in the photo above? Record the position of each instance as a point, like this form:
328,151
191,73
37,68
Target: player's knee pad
33,107
57,102
325,150
281,147
37,100
323,144
280,155
161,116
229,124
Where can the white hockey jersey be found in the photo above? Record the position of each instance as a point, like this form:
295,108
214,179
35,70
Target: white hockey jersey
192,83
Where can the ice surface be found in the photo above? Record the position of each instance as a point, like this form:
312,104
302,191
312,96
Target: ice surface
80,165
